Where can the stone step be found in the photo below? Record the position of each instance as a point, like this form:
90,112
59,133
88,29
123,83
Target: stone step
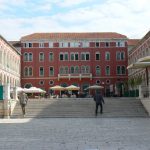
114,107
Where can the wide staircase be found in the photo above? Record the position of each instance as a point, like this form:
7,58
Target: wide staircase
82,108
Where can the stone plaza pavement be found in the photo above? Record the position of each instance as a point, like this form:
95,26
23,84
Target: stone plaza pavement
75,134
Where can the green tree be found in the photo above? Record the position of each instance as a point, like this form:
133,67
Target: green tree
131,83
138,80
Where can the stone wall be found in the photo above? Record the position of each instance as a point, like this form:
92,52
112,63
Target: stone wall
146,104
1,109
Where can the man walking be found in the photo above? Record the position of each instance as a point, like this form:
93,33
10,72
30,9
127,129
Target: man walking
23,101
99,101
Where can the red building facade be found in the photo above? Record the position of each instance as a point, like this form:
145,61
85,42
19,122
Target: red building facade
81,59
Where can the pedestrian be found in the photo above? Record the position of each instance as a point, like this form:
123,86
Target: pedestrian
99,101
23,98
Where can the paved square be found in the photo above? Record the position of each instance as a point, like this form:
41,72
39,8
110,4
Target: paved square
75,134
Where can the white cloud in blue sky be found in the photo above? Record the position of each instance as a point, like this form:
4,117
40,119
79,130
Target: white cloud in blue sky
22,17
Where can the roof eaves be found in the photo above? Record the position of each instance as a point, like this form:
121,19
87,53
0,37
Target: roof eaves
10,44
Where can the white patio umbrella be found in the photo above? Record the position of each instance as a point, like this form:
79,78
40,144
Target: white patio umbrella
57,88
34,90
19,89
94,87
73,88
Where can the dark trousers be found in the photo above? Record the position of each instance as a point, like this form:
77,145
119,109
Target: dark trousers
101,106
23,108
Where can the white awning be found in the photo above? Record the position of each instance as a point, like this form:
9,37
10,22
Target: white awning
144,59
138,65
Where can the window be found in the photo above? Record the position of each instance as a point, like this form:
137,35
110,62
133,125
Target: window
41,73
85,69
74,56
85,56
30,44
85,44
28,85
28,71
41,57
27,45
98,82
82,69
98,71
27,57
51,71
107,56
51,56
51,82
66,56
76,44
107,81
118,70
30,57
66,71
24,44
120,56
41,45
82,56
63,70
63,44
97,44
117,55
41,82
97,56
121,70
72,70
107,44
120,44
107,70
77,69
50,44
61,57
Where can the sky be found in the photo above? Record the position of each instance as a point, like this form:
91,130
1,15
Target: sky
22,17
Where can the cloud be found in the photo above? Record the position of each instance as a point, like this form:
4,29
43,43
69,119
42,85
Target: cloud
128,17
68,3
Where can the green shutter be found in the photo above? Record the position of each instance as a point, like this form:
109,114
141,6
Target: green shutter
1,92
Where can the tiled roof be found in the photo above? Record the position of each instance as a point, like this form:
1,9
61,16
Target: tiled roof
133,42
98,35
15,43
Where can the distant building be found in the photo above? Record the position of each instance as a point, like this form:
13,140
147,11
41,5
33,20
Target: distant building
9,64
139,60
132,43
80,59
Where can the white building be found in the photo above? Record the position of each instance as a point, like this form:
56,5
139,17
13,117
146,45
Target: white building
9,64
139,61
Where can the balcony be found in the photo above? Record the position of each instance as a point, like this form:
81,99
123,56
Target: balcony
75,76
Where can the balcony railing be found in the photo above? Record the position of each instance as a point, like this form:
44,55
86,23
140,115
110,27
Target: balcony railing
78,76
